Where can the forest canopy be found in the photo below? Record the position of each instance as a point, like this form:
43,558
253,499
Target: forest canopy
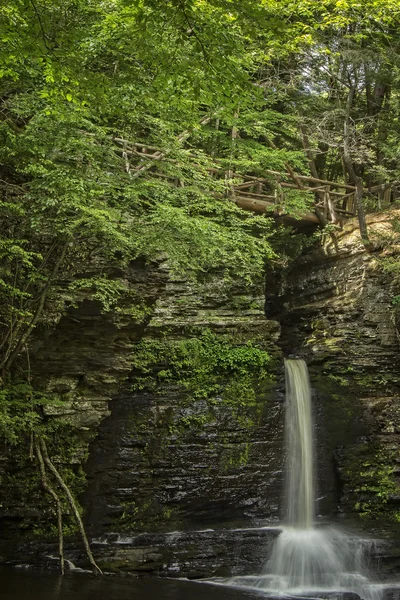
209,89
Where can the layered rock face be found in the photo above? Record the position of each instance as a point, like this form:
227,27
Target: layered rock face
336,309
176,454
81,362
176,419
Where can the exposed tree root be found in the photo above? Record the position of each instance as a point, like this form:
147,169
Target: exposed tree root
50,466
48,488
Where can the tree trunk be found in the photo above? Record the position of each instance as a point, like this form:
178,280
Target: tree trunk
362,222
349,165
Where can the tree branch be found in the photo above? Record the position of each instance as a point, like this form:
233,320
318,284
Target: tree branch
10,357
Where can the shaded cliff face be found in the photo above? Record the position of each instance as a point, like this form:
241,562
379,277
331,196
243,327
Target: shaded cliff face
336,310
173,421
193,442
176,419
81,362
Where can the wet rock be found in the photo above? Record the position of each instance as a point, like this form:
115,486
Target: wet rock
189,460
333,595
162,460
336,311
391,593
159,459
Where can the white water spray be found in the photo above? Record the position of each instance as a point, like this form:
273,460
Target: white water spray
306,560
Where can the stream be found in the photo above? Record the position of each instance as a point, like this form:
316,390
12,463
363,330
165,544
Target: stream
23,584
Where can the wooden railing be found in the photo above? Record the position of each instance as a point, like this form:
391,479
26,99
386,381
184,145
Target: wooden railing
334,201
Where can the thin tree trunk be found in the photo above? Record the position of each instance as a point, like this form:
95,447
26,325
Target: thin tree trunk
314,172
354,178
47,487
95,568
361,210
10,357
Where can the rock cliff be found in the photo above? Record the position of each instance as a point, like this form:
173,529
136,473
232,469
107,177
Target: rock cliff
337,307
192,441
176,418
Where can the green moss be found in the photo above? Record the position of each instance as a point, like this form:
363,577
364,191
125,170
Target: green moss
214,376
370,472
195,422
236,457
339,380
202,365
146,513
369,469
243,303
168,513
207,367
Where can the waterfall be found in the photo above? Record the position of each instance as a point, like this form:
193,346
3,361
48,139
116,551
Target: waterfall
305,557
307,560
299,490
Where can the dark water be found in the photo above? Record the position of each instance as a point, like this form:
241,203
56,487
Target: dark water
21,584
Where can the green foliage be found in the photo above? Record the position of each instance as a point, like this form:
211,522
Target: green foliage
75,75
391,265
389,261
206,366
396,300
19,412
114,295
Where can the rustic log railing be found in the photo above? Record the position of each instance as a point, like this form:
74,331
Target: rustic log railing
334,201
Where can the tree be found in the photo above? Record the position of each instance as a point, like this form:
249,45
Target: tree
345,86
213,87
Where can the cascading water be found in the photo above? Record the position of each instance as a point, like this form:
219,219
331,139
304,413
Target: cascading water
299,447
307,560
304,557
